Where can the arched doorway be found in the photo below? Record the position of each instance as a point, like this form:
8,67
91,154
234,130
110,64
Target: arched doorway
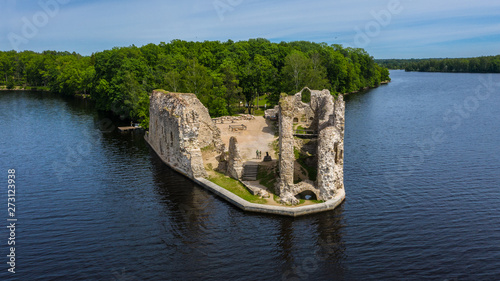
306,195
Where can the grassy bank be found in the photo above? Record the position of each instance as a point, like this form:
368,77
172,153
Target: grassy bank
235,187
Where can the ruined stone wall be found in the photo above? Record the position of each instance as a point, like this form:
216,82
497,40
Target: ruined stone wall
326,117
272,112
286,143
232,119
234,160
302,111
328,143
179,126
339,139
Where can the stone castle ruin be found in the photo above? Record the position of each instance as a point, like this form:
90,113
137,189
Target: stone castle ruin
181,129
323,118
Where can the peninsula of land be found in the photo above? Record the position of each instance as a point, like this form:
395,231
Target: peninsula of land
289,162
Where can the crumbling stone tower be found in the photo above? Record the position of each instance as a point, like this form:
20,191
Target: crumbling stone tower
324,115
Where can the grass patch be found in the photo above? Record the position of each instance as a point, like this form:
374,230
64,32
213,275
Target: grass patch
236,110
262,101
259,112
296,153
161,90
210,166
301,130
267,177
235,187
312,172
207,148
275,145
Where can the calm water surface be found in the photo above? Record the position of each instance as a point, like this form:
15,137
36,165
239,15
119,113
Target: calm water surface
422,176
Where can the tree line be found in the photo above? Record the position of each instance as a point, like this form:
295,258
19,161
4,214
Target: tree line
486,64
221,74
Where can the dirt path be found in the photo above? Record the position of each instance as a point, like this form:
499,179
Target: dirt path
259,135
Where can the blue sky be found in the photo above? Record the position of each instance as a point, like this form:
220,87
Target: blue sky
385,29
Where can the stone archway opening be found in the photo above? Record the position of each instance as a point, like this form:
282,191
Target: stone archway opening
306,195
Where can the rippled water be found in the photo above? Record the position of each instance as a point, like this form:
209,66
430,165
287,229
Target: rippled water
422,176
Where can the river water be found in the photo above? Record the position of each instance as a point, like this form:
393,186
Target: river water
422,177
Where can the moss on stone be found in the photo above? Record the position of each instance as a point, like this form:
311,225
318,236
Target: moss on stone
286,104
161,91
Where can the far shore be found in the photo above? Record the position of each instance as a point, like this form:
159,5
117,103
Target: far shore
19,88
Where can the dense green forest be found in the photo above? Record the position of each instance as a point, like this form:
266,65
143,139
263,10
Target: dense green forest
490,64
397,63
221,74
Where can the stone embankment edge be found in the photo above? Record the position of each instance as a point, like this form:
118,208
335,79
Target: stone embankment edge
276,210
259,208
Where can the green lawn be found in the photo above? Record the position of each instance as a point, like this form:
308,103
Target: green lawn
262,101
267,177
259,112
235,187
301,159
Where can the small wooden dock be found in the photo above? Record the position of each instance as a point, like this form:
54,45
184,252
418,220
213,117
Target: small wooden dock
128,128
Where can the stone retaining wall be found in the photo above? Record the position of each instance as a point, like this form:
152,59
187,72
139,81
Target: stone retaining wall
260,208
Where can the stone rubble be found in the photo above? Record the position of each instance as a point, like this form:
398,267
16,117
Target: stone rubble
233,119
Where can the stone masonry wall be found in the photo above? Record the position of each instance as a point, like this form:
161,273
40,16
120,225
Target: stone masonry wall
179,127
328,120
327,141
234,161
286,143
339,139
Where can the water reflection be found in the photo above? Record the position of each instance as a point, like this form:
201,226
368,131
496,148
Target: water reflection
330,245
197,219
312,247
188,208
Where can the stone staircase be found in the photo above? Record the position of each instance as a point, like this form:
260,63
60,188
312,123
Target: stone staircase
250,172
